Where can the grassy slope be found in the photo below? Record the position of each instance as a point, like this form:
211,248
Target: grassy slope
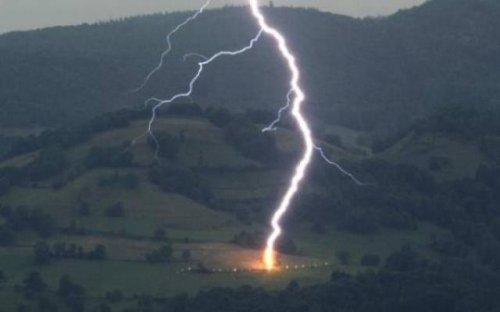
208,231
417,150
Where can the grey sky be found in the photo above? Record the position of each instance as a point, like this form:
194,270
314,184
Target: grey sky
28,14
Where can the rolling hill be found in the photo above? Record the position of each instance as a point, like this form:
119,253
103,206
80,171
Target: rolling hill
80,211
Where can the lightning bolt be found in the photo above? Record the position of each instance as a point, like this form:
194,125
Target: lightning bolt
201,67
272,126
169,45
295,100
269,256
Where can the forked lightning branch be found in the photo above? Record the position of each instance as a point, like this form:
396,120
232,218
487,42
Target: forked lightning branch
295,100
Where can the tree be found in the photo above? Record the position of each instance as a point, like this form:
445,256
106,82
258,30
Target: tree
42,253
186,255
7,236
49,162
344,257
72,294
116,210
46,304
42,223
160,234
33,285
174,178
370,260
167,145
3,279
219,117
114,296
113,157
403,260
163,254
99,253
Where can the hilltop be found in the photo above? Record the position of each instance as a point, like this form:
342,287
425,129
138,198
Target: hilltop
378,74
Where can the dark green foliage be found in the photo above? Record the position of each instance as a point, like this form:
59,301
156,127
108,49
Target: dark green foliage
249,240
7,236
437,163
163,254
435,67
49,162
184,109
243,215
394,196
160,234
72,294
47,304
21,219
109,157
115,210
104,308
251,141
404,260
260,116
128,181
42,253
166,145
447,245
186,255
335,140
220,117
467,120
286,245
83,209
33,285
177,179
370,260
114,296
42,223
490,146
343,256
3,279
73,134
99,253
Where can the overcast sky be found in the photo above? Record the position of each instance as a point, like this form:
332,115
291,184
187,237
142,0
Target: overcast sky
28,14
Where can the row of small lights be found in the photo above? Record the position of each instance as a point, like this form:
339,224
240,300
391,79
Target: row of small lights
237,270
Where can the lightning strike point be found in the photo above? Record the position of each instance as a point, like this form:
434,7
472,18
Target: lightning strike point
269,256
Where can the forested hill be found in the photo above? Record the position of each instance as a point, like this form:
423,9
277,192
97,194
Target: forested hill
365,73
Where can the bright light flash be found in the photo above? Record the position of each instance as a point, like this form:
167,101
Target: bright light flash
272,126
338,166
169,44
295,99
269,257
201,67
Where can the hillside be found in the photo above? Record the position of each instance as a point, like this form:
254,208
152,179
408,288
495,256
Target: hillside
78,203
100,208
376,74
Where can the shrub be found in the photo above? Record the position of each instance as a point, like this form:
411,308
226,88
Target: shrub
116,210
370,260
344,257
163,254
219,117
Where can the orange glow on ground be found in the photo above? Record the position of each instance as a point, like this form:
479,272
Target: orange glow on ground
269,260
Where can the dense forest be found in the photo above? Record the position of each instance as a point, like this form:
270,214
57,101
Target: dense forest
373,73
